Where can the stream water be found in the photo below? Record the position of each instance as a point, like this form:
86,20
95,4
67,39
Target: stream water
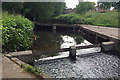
48,41
90,63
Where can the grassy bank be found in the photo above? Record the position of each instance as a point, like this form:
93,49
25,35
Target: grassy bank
108,19
16,32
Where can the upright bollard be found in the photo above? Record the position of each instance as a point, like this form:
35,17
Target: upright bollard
72,54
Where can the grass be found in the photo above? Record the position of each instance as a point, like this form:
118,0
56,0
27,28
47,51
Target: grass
32,69
108,19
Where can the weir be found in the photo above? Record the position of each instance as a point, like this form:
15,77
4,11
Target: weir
98,40
76,64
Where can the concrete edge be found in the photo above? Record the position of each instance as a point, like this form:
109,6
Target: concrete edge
117,41
19,62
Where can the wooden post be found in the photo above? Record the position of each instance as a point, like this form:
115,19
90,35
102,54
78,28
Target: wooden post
72,54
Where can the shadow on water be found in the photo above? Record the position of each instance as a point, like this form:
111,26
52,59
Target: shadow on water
48,41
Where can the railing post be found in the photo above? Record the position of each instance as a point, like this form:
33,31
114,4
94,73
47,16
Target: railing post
72,54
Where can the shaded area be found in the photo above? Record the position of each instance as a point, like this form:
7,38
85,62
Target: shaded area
47,41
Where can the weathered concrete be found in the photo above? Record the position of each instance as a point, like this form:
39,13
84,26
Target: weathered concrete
108,33
25,56
19,62
107,46
12,70
72,53
29,56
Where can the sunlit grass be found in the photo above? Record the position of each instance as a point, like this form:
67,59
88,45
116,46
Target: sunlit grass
109,19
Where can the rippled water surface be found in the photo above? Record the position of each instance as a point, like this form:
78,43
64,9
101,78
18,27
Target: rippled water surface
95,65
90,63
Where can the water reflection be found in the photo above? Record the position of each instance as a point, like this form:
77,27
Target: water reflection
48,41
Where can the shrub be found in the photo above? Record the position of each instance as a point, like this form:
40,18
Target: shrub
16,32
76,20
88,21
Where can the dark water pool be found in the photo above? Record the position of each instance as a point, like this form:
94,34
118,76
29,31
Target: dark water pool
48,41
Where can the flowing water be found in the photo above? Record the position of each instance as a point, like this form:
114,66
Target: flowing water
90,63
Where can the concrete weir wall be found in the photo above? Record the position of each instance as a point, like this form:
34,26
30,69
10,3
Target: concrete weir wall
108,37
25,56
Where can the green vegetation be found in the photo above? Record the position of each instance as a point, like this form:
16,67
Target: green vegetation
108,5
13,7
43,11
33,70
22,65
109,19
83,7
35,11
16,32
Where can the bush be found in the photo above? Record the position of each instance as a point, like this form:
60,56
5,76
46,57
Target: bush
70,19
89,21
16,32
76,20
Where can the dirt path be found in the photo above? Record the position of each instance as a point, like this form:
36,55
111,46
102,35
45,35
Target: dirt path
12,70
109,31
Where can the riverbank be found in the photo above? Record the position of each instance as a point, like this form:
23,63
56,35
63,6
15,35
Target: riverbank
12,70
108,19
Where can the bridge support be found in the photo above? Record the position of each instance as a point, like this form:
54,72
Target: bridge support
72,54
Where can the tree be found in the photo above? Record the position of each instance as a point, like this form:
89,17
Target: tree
116,5
108,5
42,11
59,8
83,7
38,11
105,5
12,7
